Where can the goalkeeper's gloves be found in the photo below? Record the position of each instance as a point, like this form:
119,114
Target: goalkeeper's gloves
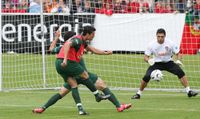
179,62
151,61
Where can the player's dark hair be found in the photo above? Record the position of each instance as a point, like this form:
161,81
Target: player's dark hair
88,29
68,35
161,30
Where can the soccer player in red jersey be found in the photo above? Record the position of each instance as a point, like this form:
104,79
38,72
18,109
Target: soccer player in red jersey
65,89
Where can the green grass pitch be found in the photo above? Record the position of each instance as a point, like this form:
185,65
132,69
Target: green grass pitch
152,105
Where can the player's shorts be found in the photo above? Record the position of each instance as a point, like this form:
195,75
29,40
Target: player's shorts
92,77
167,66
71,70
82,63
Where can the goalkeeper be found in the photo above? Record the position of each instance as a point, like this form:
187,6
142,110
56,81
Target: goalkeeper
163,51
66,88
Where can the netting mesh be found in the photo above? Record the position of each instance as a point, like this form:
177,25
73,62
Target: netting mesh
22,64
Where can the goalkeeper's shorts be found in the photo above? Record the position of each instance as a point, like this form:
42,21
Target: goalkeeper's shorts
167,66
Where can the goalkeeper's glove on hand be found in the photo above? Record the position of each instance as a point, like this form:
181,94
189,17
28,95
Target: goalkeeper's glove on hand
151,61
179,62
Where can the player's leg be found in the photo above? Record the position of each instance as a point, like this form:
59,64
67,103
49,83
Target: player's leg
93,78
185,83
77,70
75,94
144,82
72,69
90,85
101,85
65,89
176,70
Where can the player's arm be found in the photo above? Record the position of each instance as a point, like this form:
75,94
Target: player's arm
66,46
56,49
178,56
146,58
98,51
147,55
176,50
149,60
53,44
70,43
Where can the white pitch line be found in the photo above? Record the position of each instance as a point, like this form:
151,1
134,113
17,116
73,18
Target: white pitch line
133,108
170,94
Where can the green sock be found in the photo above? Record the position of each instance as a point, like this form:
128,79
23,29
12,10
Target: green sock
80,107
52,100
75,95
112,97
91,87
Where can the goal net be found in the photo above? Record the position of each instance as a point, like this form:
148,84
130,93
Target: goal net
26,37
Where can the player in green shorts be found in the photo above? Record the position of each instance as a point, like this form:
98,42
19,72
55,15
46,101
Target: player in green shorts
65,89
67,64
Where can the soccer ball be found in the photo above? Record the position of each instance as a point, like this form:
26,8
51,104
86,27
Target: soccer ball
156,75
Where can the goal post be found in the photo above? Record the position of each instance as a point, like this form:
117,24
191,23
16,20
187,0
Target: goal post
43,45
0,51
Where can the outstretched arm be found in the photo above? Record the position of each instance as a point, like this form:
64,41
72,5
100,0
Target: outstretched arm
98,51
149,60
178,59
178,56
53,44
146,58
